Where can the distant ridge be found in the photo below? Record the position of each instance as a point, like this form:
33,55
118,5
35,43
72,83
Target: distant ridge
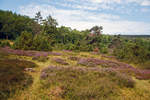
133,36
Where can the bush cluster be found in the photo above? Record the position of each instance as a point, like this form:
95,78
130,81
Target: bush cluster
29,42
135,51
4,43
40,58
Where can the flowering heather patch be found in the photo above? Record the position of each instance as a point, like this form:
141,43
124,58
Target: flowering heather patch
125,80
67,51
111,71
50,69
138,73
40,58
118,66
28,52
13,77
55,53
18,52
73,58
142,74
85,83
104,63
87,62
69,82
90,62
95,53
60,61
44,73
106,56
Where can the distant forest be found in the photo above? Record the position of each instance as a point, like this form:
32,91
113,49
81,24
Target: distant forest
136,36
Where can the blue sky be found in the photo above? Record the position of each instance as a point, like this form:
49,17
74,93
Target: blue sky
116,16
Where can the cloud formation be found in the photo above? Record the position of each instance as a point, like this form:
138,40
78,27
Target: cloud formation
84,15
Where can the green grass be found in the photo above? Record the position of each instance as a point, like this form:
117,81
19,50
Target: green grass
82,84
70,84
145,65
40,58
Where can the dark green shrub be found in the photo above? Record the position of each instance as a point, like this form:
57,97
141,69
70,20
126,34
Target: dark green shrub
70,46
135,51
24,42
104,50
40,58
29,42
86,47
4,43
41,43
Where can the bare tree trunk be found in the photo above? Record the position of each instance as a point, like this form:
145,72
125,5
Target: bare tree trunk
7,37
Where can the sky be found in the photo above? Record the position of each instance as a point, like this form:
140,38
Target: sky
128,17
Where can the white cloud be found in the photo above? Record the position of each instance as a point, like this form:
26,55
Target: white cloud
140,2
145,3
81,19
32,9
78,6
106,1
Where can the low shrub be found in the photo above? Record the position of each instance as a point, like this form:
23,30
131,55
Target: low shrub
145,65
87,62
93,62
27,41
70,46
73,58
136,51
13,77
41,43
4,44
96,50
125,80
24,41
143,74
60,61
83,83
104,50
3,54
40,58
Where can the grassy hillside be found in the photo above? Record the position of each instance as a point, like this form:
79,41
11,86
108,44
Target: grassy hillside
67,75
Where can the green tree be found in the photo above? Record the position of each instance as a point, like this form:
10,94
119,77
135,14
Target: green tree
24,42
12,24
38,18
41,43
49,25
96,30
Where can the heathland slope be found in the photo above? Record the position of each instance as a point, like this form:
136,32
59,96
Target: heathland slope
68,75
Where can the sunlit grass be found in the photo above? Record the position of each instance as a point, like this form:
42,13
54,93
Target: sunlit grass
35,92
